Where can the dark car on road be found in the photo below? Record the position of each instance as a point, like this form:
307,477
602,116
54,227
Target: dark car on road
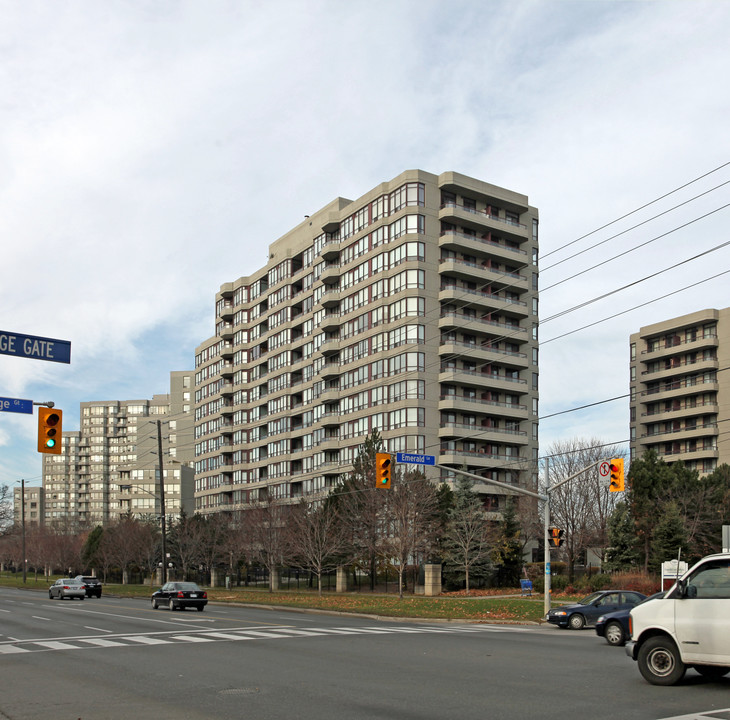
587,611
180,595
93,585
615,626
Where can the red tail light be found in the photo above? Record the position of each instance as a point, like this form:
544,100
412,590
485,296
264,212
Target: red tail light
180,594
205,594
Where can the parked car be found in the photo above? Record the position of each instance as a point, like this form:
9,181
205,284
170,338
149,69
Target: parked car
180,595
67,588
586,611
93,585
615,626
688,627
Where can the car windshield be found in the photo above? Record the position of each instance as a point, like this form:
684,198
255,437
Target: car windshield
590,599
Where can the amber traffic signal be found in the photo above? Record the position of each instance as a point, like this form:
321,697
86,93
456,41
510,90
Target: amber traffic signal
49,430
616,466
383,470
555,537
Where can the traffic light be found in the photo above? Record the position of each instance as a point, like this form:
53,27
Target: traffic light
616,466
555,537
383,468
49,430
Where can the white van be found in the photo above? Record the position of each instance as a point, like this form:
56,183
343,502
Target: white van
688,627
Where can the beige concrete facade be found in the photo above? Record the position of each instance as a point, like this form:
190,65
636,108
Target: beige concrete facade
411,311
110,466
680,394
34,504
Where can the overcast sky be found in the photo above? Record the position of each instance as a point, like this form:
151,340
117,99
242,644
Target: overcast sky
151,151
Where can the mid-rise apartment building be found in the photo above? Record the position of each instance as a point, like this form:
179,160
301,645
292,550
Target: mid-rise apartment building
680,392
33,505
110,466
411,311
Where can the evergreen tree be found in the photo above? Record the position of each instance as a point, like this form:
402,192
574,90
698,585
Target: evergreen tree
668,539
507,554
91,548
622,553
650,478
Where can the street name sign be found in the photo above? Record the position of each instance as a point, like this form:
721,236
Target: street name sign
17,406
415,459
39,348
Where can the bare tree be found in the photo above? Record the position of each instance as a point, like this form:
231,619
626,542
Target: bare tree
128,541
185,542
267,527
412,517
581,507
6,507
316,538
467,541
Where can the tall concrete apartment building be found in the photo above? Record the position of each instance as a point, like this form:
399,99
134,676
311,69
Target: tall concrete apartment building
411,311
680,394
110,466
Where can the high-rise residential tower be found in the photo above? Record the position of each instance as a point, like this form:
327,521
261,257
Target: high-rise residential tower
411,311
680,392
110,466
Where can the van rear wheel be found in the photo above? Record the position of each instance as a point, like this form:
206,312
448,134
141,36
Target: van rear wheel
659,661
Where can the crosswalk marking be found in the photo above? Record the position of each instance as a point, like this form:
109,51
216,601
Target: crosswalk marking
8,649
233,634
147,640
103,642
56,645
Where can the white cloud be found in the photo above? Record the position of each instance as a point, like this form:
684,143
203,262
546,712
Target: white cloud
150,152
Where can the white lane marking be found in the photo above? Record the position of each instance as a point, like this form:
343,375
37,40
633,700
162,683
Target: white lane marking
701,715
1,610
192,638
89,627
38,617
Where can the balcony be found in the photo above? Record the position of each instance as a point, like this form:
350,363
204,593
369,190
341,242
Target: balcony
477,299
481,273
483,353
473,244
480,220
480,432
468,405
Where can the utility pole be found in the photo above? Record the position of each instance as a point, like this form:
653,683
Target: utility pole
546,555
22,524
162,502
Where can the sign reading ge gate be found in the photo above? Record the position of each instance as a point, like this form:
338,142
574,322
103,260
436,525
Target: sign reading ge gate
38,348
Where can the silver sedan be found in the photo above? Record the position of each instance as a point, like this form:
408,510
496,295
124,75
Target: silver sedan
67,588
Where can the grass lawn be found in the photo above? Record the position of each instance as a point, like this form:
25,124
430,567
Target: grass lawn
475,608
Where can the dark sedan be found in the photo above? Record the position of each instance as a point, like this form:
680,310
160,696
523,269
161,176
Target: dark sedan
615,626
180,595
586,611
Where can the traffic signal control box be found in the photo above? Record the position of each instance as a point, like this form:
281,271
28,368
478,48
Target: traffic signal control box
383,470
49,430
616,467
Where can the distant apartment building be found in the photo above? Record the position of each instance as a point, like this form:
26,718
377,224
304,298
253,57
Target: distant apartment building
33,505
110,466
680,390
411,311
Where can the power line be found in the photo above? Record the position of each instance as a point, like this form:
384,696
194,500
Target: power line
642,207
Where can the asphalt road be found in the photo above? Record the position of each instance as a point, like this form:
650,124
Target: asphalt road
118,658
